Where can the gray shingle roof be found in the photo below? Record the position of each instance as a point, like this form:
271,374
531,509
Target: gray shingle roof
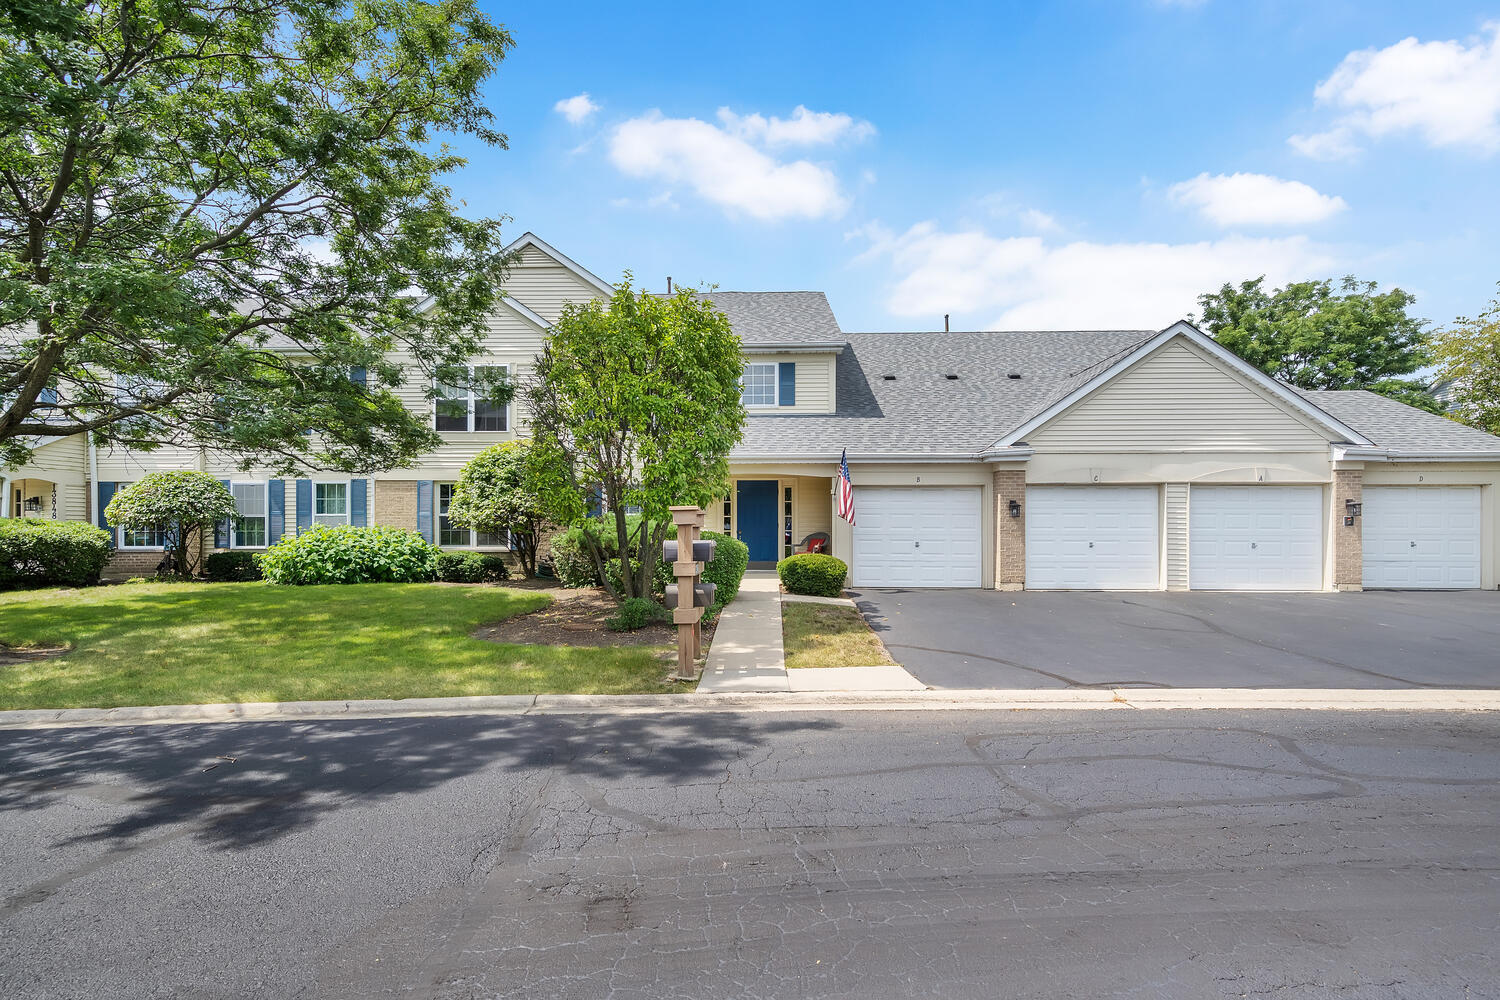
765,318
1391,424
921,411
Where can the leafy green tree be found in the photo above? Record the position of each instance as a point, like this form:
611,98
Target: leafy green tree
1315,337
635,403
1469,352
495,493
215,216
176,504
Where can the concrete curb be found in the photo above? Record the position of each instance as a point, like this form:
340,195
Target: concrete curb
1063,699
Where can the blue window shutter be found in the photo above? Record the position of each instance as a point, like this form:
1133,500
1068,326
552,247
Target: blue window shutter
222,528
304,505
596,502
786,377
47,397
275,511
424,508
106,494
357,375
358,491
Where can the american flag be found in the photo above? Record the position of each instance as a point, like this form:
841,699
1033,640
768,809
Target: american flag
846,489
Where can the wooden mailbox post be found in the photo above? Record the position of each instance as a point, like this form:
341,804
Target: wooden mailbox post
688,597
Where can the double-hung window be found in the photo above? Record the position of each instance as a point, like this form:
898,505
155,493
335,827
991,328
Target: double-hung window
141,538
250,515
451,535
464,407
758,385
330,503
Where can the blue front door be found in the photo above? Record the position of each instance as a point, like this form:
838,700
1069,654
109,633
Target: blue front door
755,501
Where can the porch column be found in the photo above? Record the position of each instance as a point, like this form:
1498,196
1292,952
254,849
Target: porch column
1348,543
1010,532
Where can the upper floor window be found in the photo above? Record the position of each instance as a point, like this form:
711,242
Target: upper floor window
464,408
758,385
330,503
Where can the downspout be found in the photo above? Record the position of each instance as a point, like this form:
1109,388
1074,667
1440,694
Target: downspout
92,499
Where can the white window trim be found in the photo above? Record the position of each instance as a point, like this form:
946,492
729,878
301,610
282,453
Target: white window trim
469,429
775,384
348,485
266,517
120,532
437,527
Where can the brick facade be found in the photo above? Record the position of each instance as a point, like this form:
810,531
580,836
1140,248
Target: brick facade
1010,532
1348,547
395,503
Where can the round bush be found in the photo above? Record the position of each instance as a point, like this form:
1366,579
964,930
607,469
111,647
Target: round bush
346,554
231,567
40,553
634,613
813,574
470,567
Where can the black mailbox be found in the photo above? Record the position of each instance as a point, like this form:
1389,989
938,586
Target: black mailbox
703,551
703,595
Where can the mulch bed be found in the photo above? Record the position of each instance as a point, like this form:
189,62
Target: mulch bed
576,618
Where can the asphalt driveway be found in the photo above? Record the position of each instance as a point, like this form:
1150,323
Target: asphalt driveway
1378,639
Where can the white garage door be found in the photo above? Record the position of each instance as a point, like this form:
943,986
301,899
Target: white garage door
917,536
1421,537
1255,538
1092,538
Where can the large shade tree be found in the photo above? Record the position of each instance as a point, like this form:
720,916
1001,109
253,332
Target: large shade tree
1315,336
635,404
1469,352
218,219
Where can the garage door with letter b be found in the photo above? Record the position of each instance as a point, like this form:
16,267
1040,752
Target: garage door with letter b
917,536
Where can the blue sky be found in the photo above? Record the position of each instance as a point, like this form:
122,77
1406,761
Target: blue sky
1016,165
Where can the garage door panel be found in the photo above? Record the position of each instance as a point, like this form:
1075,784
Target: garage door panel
1255,538
1422,537
1092,538
921,536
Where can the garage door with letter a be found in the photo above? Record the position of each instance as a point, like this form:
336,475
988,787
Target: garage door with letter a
917,536
1421,537
1092,538
1255,538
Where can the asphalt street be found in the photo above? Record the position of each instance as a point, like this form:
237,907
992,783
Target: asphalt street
1041,639
856,854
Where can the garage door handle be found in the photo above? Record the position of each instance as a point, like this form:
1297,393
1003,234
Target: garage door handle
918,544
1413,544
1091,544
1252,545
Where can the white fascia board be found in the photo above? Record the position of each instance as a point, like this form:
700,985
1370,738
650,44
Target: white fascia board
581,272
1011,454
1396,455
1214,349
801,347
833,458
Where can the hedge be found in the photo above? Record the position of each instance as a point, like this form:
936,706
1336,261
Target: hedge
574,568
470,567
813,574
36,552
230,567
346,554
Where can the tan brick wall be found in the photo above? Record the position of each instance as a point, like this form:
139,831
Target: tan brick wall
126,563
1348,547
395,503
1010,532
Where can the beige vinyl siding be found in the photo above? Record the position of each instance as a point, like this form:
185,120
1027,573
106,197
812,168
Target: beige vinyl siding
815,382
811,508
1177,535
119,465
64,460
544,285
1178,398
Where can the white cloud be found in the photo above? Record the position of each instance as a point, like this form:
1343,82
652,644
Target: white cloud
1038,221
723,166
1026,283
804,128
1254,200
1446,92
576,109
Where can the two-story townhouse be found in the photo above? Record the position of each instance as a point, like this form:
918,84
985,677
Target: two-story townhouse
1116,459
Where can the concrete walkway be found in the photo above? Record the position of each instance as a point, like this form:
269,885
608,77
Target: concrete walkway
746,654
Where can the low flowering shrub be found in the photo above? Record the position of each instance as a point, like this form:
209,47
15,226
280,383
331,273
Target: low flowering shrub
35,552
813,574
346,554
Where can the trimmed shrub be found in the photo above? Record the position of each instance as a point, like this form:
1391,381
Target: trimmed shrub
634,613
176,503
38,553
813,574
727,570
470,567
231,567
570,560
346,554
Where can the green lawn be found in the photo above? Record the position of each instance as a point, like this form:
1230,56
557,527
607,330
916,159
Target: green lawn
170,644
828,635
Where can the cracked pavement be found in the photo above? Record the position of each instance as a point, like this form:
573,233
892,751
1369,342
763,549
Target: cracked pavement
859,854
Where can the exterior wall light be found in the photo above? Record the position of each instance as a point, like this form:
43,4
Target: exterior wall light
33,504
1352,508
1015,508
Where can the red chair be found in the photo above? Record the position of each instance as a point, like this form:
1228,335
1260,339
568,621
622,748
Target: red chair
818,541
